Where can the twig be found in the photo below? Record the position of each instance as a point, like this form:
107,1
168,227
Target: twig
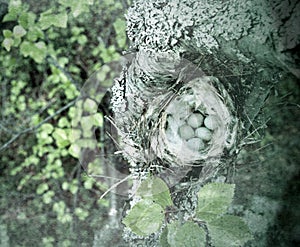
16,136
115,185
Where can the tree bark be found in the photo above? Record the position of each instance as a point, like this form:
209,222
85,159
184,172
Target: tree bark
239,48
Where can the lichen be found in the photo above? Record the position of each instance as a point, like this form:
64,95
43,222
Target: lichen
165,25
179,25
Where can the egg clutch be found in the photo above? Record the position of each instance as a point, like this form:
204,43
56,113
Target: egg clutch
196,129
197,125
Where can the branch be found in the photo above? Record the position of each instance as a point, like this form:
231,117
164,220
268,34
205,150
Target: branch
16,136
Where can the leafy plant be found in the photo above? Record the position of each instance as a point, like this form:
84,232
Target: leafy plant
147,215
48,52
210,225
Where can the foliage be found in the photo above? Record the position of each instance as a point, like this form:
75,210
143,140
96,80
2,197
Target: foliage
188,234
147,215
48,51
210,224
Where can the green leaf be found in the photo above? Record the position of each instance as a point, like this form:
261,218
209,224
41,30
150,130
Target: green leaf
120,27
63,122
74,150
213,200
60,20
74,134
102,73
98,119
65,185
81,213
7,43
34,33
87,123
229,231
7,33
163,239
37,51
47,19
42,188
82,39
144,218
60,137
59,207
154,188
19,31
48,128
10,16
77,30
88,184
90,106
187,235
14,8
17,41
73,188
27,19
47,197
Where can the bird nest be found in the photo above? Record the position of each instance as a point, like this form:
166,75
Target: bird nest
180,119
196,125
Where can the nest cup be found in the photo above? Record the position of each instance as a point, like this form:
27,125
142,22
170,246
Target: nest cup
197,124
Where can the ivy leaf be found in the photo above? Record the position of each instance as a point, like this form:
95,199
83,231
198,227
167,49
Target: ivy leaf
34,33
14,8
19,31
213,200
27,19
81,213
7,43
47,197
37,51
228,230
60,137
98,119
155,189
60,20
47,128
42,188
74,134
7,33
74,150
90,106
63,122
144,218
187,235
120,26
47,19
87,123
